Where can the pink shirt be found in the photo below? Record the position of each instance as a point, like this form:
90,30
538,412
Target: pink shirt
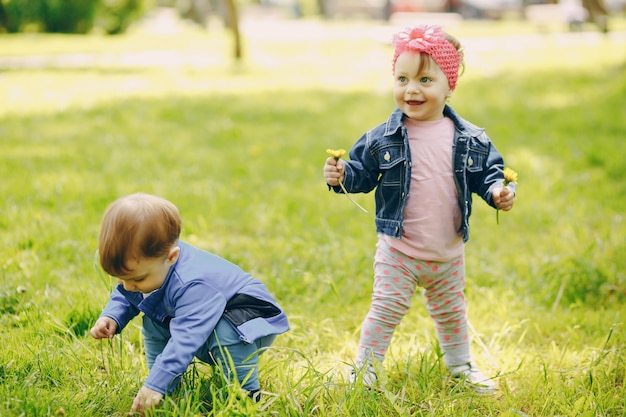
431,216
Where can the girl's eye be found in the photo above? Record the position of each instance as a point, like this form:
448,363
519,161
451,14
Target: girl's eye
402,79
424,80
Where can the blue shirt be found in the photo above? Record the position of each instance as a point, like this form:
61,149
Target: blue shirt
381,159
190,302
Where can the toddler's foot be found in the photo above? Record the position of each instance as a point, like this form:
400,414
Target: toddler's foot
471,376
366,374
255,395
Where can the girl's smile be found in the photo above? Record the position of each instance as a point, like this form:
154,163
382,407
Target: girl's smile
420,87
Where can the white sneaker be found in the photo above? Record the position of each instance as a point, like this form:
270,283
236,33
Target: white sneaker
473,378
368,376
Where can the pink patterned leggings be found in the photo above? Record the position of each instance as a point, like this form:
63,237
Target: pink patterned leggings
396,277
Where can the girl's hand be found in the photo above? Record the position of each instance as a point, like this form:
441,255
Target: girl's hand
104,328
503,198
333,171
145,399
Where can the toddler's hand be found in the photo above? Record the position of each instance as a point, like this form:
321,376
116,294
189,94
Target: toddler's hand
145,399
333,171
104,328
503,198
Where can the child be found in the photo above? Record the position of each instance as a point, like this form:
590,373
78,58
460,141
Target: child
424,161
194,303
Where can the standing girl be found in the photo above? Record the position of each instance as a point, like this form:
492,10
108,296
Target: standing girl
425,162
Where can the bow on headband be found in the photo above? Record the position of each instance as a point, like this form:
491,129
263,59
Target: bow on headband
432,41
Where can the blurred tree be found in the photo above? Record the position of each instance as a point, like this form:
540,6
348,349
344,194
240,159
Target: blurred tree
198,11
22,14
321,5
234,25
114,16
4,25
598,13
69,16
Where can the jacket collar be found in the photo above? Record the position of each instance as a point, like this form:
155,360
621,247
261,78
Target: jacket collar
461,124
394,122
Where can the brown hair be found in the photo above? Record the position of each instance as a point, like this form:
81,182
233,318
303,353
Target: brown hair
134,227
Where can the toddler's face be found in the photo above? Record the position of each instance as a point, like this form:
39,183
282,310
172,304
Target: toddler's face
421,94
147,274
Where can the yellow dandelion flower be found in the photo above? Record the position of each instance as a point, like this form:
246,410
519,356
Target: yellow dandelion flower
336,153
510,176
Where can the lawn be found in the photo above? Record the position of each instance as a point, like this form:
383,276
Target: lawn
240,148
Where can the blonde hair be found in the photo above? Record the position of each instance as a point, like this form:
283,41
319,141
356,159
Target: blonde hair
134,227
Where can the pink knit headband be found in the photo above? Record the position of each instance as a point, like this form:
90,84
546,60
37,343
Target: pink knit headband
431,40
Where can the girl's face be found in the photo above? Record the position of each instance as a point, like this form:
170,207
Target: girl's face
420,93
148,274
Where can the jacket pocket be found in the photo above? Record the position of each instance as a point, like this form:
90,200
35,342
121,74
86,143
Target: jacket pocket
476,157
391,160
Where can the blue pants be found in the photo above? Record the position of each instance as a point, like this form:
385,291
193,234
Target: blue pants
245,356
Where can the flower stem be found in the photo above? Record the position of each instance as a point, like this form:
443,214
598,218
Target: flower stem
350,198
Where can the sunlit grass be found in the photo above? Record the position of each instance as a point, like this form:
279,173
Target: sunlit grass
240,150
316,56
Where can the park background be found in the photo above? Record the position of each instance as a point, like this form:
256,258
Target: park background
239,146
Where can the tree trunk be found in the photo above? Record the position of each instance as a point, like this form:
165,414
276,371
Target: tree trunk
321,6
234,25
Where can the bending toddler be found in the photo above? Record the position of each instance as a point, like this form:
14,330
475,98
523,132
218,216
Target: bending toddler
194,303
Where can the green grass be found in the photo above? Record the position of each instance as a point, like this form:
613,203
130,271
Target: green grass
240,150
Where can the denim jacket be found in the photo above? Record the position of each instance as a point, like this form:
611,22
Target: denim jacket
381,159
